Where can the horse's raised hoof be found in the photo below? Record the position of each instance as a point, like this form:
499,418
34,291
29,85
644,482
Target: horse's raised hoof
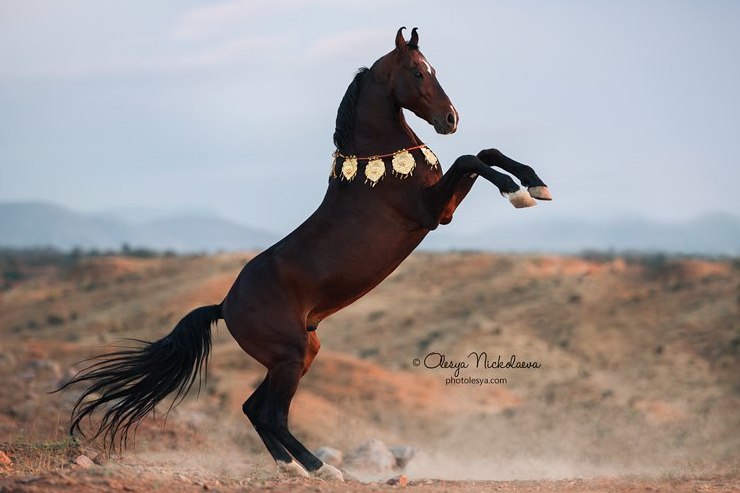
540,193
520,199
327,472
291,469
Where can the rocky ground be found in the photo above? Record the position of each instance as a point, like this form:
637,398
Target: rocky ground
637,388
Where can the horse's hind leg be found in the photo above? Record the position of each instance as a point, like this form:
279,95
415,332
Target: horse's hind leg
525,174
267,408
252,409
283,381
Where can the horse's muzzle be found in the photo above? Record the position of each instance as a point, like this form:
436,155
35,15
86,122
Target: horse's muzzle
446,123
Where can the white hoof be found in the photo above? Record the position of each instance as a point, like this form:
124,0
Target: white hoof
291,469
327,472
520,199
541,193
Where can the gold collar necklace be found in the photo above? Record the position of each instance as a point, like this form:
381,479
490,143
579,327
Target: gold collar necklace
403,164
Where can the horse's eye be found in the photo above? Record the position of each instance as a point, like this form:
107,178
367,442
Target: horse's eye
417,72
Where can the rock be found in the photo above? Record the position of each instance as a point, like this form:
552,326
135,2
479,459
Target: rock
401,480
330,456
101,459
7,360
84,461
5,460
403,454
92,454
371,457
45,368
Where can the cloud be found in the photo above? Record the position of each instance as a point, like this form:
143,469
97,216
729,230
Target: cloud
336,45
228,53
223,18
214,20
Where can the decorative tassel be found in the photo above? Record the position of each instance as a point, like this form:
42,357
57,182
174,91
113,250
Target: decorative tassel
333,172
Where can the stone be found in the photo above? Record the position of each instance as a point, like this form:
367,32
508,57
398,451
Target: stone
84,461
45,368
101,459
7,360
403,454
329,455
371,457
5,460
401,480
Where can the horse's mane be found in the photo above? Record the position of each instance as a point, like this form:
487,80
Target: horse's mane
346,114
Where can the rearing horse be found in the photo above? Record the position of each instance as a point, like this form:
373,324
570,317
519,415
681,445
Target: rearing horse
386,193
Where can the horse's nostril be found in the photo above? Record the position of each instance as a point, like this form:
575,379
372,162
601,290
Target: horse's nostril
451,118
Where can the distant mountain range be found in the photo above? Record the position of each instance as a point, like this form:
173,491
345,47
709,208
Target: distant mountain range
35,224
710,234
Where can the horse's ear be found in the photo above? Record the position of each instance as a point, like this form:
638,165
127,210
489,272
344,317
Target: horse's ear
414,41
400,42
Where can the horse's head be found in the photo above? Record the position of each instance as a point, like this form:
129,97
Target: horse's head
414,86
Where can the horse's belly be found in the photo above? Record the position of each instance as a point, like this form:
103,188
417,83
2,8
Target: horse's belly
335,279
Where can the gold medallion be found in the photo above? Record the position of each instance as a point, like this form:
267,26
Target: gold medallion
403,164
430,157
349,168
374,170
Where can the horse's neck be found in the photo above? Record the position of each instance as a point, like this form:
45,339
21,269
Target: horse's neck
380,127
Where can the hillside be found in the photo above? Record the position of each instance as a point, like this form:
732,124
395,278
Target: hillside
639,364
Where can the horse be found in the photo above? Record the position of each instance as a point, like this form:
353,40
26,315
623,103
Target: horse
386,192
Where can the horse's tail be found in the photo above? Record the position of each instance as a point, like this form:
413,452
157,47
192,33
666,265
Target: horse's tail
130,382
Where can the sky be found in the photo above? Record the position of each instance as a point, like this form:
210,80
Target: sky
626,108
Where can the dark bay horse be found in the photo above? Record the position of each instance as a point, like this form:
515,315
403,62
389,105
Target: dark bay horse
386,193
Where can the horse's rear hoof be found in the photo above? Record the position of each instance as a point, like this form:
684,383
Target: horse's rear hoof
291,469
540,193
327,472
520,199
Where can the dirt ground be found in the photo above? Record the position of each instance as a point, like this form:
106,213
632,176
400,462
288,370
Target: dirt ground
637,388
144,480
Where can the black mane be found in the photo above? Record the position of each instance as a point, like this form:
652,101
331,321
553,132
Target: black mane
346,114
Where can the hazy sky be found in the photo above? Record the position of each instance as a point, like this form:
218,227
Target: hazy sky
229,107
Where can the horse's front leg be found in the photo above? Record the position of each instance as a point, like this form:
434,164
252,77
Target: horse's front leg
442,198
525,174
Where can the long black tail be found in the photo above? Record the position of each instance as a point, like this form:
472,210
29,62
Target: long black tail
129,383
